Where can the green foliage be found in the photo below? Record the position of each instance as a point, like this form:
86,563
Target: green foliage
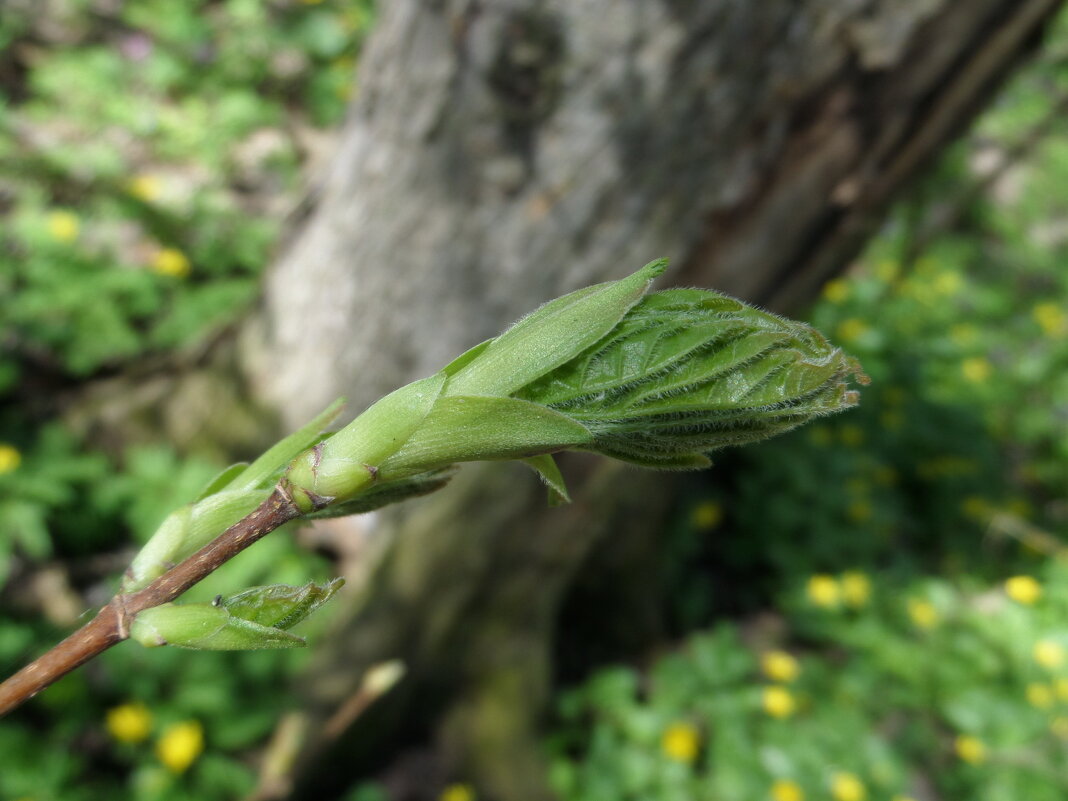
888,689
148,152
922,617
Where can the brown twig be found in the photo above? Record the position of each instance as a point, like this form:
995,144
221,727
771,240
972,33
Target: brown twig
112,624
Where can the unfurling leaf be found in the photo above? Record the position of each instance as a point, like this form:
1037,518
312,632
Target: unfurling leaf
689,371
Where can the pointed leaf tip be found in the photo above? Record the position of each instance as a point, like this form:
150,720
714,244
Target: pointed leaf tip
654,268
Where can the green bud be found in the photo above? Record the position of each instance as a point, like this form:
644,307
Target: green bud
205,627
253,619
348,462
548,337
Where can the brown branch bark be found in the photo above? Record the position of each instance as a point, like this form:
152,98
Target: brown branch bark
112,624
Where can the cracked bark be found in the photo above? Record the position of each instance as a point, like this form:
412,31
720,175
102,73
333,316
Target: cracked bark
502,153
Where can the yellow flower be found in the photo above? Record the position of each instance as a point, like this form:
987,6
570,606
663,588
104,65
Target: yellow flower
975,508
180,745
892,419
970,749
144,187
170,261
1059,727
63,226
852,435
836,291
847,787
1019,507
10,458
963,333
1049,654
780,666
923,613
887,270
977,369
859,511
129,723
820,436
948,282
823,590
1040,695
885,475
1023,589
707,515
894,396
681,742
1051,318
779,702
852,329
456,792
786,790
856,588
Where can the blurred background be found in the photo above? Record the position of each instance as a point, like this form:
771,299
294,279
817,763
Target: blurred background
218,215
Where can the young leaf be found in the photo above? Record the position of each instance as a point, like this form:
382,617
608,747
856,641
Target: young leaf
689,371
550,336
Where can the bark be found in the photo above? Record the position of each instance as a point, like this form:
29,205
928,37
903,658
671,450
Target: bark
503,152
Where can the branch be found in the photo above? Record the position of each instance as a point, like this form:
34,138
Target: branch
112,624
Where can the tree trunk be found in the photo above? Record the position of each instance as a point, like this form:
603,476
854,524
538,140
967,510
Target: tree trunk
501,152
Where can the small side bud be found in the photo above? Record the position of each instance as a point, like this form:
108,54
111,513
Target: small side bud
346,463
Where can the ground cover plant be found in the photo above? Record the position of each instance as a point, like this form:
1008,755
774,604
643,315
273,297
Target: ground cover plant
900,629
148,153
947,499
